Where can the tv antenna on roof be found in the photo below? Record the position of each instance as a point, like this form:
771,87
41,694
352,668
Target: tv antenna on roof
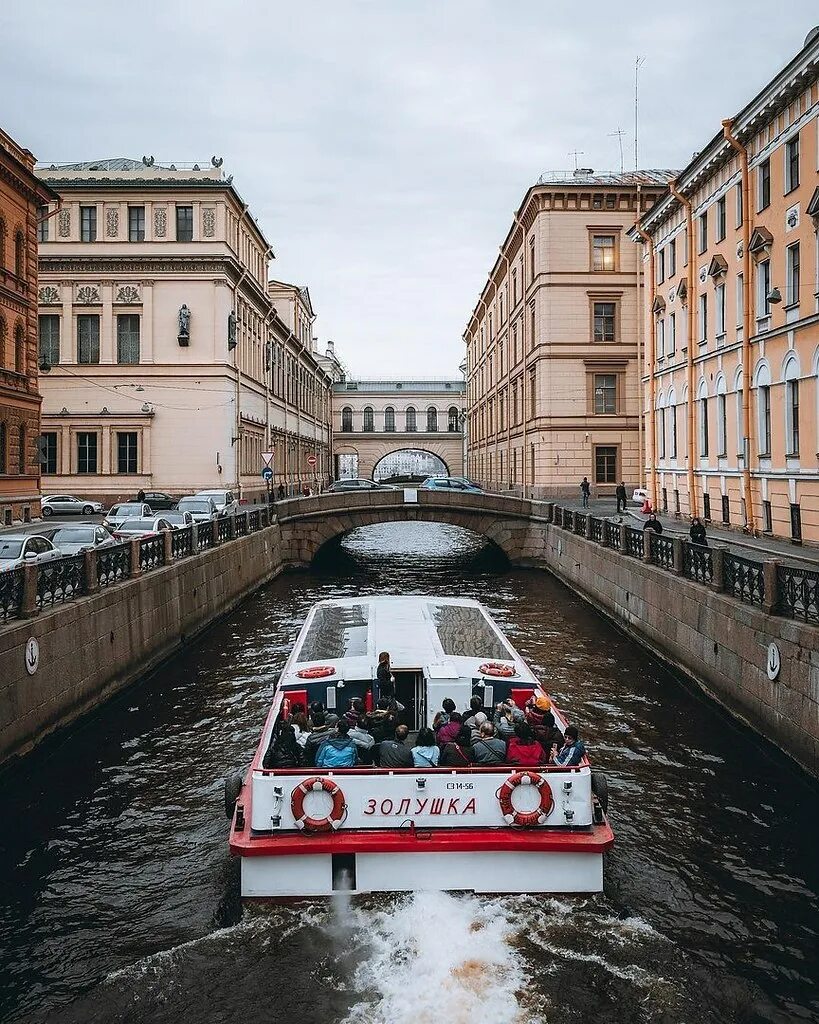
619,133
576,153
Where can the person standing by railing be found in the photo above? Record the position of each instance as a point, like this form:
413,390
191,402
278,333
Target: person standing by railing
697,532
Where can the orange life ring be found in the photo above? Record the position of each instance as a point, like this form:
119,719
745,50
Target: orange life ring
497,668
319,672
525,819
337,813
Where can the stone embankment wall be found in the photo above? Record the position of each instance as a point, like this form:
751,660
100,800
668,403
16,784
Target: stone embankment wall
719,642
94,646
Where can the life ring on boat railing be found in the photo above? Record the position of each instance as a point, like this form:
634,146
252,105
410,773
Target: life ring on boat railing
497,668
318,672
525,819
337,813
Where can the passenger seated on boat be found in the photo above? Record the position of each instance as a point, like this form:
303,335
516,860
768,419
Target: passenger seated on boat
320,732
507,715
363,740
488,748
572,751
442,717
523,748
449,732
338,750
355,711
456,753
382,718
393,752
474,724
301,727
538,713
284,751
425,753
475,715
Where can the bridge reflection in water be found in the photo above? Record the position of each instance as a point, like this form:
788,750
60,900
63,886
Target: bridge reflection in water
124,900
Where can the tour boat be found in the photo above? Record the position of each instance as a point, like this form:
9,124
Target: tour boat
308,832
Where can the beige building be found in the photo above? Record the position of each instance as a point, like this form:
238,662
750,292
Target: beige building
552,346
732,317
385,429
169,361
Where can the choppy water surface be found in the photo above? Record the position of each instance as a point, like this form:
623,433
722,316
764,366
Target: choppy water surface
120,903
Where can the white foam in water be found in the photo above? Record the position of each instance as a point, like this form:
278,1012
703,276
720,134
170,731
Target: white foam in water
435,957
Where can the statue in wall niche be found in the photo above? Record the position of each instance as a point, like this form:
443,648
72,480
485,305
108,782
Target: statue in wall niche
184,325
231,339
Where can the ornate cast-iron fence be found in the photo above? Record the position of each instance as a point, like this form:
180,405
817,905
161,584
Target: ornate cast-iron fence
634,542
151,552
698,563
597,530
798,593
113,564
182,542
744,579
11,593
60,581
662,551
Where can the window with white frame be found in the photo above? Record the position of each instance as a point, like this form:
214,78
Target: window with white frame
722,420
721,226
672,333
719,302
672,438
702,231
661,430
792,408
740,417
792,275
763,288
740,298
763,410
792,164
763,185
672,257
738,214
660,338
702,404
703,318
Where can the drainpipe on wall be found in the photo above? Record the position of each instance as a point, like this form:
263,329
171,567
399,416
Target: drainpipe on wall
524,455
508,361
693,503
746,334
652,355
641,453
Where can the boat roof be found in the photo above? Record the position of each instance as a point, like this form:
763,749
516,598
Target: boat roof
446,638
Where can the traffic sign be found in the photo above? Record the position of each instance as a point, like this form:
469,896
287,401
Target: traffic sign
311,460
268,457
267,473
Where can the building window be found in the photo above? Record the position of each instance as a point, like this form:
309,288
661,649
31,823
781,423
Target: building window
49,333
42,224
514,288
432,419
346,419
702,232
605,464
703,404
767,517
721,226
703,318
184,223
672,257
88,338
792,164
660,338
88,223
719,301
389,419
792,418
604,317
532,257
722,427
740,299
19,349
136,223
4,433
48,452
672,333
764,417
763,185
706,507
763,288
672,410
726,509
604,252
738,214
128,338
369,419
452,420
21,450
792,275
19,254
661,266
796,523
127,451
411,421
661,433
86,452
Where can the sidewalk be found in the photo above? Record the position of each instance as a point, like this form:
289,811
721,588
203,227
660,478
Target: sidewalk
739,544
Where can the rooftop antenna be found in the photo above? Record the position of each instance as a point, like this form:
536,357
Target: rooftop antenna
637,65
619,133
576,153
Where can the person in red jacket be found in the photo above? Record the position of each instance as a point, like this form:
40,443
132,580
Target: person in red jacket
523,748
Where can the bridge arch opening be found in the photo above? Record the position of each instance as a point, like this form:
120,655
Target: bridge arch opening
409,465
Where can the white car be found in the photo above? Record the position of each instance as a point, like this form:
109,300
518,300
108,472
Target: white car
178,518
71,540
226,504
117,514
136,529
201,509
18,549
67,505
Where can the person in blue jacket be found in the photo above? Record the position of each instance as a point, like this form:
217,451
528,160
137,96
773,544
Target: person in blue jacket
573,749
338,750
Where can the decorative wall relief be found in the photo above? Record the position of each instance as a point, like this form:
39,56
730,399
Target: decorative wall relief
703,274
160,221
48,295
184,326
740,250
88,294
64,223
792,218
128,294
112,222
208,222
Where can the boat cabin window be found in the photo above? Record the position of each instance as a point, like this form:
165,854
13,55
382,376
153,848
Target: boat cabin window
464,632
337,631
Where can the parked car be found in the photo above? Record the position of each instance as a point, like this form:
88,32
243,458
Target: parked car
136,529
68,505
202,509
226,504
450,483
178,518
159,501
117,514
18,549
71,540
357,484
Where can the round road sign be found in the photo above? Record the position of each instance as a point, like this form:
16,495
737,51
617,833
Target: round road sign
32,656
267,473
311,460
774,663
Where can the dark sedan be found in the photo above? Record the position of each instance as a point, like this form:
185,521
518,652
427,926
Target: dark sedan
160,500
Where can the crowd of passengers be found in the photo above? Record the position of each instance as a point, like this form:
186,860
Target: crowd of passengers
504,735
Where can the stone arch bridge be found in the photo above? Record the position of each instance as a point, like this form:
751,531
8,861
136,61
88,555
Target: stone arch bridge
515,525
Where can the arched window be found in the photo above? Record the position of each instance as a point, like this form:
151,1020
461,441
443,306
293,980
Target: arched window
740,416
702,403
432,419
672,424
21,454
2,242
347,419
411,421
389,419
19,349
661,426
19,254
369,419
790,374
452,420
722,418
762,382
3,447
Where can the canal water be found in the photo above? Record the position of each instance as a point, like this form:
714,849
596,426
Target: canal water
119,902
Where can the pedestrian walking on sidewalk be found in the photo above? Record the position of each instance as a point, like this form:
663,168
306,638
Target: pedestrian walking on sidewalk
697,532
620,494
585,491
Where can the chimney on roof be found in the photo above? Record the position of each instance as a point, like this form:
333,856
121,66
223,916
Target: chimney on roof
581,172
331,350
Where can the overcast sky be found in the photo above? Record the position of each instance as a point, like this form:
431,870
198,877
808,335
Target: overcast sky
384,145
